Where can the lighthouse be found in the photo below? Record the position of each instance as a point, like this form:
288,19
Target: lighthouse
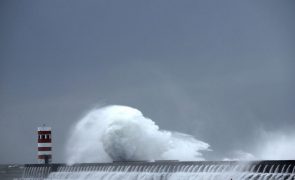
44,145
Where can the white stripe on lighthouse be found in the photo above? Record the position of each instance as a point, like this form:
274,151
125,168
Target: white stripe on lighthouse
44,128
44,144
44,152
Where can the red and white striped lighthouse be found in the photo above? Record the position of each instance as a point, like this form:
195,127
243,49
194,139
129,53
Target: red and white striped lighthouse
44,145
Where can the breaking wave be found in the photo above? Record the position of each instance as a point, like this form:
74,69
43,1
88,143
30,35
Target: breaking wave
117,133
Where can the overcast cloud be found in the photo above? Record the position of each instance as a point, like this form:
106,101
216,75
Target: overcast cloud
222,71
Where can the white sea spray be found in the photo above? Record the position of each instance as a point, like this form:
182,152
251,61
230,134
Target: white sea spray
116,132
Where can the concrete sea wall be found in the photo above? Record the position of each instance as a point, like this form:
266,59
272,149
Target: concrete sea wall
40,171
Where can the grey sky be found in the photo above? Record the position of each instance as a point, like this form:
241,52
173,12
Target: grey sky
219,70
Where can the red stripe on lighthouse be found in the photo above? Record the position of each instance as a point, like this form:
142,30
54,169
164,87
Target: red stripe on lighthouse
44,156
44,132
44,140
44,148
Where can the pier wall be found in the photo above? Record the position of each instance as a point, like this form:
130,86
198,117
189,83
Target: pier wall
17,171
